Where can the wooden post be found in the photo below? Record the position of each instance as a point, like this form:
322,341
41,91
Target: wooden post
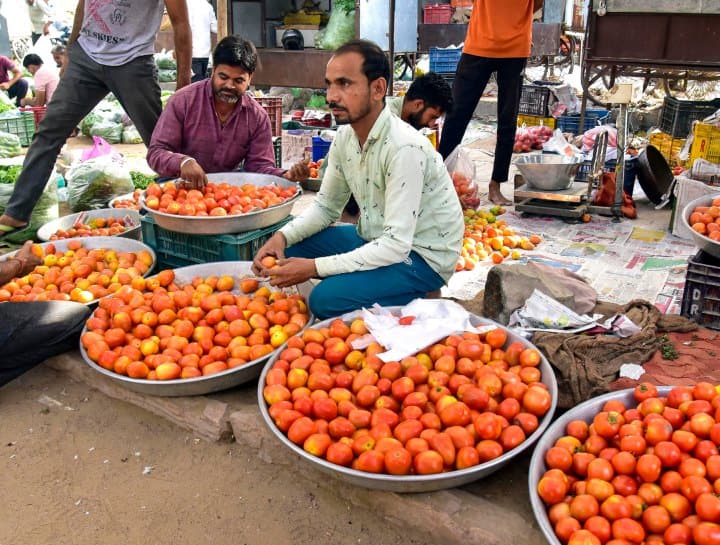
222,19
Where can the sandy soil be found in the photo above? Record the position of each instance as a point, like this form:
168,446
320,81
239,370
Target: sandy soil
79,468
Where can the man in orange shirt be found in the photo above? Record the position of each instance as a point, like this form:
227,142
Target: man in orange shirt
498,40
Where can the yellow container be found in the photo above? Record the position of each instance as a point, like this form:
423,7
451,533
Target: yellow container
533,120
706,143
668,147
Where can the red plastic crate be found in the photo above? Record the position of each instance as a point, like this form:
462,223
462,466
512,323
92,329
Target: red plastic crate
437,14
273,107
38,113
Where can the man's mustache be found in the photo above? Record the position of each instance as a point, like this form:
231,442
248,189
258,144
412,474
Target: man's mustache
336,106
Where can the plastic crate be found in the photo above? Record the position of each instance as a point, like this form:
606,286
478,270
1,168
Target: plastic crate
444,60
534,100
37,111
593,117
678,115
461,3
705,144
701,296
668,147
273,107
277,149
181,249
535,120
437,14
22,126
320,148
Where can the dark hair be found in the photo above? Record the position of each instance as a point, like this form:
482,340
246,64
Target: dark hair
32,58
235,51
433,90
375,62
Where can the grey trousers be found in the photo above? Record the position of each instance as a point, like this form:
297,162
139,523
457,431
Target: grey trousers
83,85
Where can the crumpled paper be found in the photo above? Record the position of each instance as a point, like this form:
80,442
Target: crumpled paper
543,313
434,319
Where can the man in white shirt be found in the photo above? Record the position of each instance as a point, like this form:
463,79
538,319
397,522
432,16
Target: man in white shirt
40,13
204,36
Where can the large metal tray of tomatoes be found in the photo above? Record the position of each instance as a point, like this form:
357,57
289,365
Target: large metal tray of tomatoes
240,223
118,244
205,384
417,483
67,222
702,241
585,411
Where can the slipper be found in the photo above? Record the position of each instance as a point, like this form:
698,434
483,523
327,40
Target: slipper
7,230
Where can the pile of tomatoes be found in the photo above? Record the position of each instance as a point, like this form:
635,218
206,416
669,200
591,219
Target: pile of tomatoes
96,227
706,220
461,402
157,330
645,474
132,202
221,199
77,274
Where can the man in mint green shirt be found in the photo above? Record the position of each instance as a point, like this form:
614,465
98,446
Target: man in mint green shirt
410,228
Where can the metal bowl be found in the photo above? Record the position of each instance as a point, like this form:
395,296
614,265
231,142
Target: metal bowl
211,383
548,171
585,411
66,222
416,483
125,197
706,244
240,223
311,184
92,243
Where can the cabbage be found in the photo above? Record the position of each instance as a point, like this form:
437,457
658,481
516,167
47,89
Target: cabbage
111,131
130,135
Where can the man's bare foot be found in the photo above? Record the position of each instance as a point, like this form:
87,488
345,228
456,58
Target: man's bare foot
495,195
11,222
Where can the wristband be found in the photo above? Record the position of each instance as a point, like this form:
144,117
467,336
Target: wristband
185,161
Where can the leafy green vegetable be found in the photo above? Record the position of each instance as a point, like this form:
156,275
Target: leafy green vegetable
8,174
345,5
140,180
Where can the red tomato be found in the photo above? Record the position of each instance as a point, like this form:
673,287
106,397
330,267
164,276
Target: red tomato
628,529
643,391
706,533
584,506
648,468
607,423
656,519
707,507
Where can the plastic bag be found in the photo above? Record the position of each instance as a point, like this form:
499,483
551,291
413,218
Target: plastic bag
109,130
9,145
46,209
100,147
558,144
530,138
92,183
130,135
462,172
588,140
165,60
340,29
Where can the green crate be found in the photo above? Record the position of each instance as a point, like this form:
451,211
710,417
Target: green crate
22,126
181,249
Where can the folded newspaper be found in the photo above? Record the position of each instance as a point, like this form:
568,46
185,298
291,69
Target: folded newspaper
543,313
418,325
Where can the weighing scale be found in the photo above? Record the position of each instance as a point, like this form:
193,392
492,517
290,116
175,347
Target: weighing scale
575,201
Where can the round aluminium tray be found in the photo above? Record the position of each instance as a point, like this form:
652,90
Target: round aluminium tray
585,411
706,244
93,243
66,222
416,483
239,223
206,384
125,197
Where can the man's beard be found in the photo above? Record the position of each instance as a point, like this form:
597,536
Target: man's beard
227,96
415,119
350,119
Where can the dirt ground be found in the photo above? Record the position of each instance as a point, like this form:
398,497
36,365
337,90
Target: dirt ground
79,468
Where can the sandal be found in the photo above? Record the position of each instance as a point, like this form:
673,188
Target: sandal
7,230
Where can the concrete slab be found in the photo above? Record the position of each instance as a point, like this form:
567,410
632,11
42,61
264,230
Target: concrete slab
492,511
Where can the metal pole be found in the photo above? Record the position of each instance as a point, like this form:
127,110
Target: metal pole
391,46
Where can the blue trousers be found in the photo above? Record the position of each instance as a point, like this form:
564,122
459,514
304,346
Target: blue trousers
396,284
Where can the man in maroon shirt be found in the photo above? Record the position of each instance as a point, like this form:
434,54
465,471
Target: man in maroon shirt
15,86
214,126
